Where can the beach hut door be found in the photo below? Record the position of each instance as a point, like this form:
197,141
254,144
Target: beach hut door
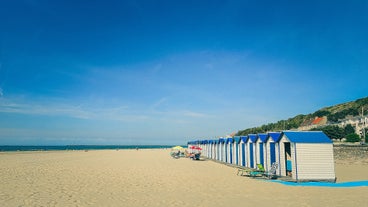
288,163
251,155
243,154
261,158
272,152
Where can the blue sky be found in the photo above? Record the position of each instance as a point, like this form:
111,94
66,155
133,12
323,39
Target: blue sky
165,72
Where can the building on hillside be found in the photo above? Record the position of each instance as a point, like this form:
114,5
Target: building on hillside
313,123
358,122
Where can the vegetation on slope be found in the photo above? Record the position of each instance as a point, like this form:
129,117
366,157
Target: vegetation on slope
333,113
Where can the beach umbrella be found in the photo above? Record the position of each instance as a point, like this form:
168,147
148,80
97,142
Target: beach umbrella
180,148
195,147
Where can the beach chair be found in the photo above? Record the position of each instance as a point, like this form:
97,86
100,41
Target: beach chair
271,174
255,172
197,156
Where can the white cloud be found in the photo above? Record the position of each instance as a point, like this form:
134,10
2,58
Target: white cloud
159,103
194,114
1,92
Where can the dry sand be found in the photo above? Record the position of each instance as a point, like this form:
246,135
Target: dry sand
153,178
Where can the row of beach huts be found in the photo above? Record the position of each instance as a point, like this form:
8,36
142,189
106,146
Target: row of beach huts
301,155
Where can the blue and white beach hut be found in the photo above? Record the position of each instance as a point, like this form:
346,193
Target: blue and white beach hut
204,145
244,151
273,150
229,150
222,152
215,149
307,156
210,147
236,151
261,153
252,150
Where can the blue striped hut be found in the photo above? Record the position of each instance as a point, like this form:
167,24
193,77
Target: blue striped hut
252,150
261,153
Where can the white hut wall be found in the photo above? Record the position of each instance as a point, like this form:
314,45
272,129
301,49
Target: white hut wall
208,150
228,152
314,162
282,163
244,154
223,159
278,157
236,152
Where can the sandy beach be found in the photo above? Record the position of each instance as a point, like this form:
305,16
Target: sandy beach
153,178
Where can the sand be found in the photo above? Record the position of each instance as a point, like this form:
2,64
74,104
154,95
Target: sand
153,178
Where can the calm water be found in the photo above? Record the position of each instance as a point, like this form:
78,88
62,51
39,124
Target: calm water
80,147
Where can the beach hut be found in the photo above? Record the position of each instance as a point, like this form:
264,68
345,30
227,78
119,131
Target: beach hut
214,149
236,153
206,148
261,153
252,140
229,150
210,149
222,154
273,150
243,142
306,156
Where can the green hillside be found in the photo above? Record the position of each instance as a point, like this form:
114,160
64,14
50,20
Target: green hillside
333,113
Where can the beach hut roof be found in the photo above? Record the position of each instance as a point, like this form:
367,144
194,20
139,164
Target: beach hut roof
253,137
193,142
307,137
229,140
276,136
237,139
221,140
263,137
244,138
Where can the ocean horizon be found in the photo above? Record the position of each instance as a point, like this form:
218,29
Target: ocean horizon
9,148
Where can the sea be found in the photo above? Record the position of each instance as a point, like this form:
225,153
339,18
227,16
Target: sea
8,148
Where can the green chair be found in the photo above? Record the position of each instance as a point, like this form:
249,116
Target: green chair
256,172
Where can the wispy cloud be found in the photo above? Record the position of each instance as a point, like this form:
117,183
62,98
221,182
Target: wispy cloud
21,107
1,92
194,114
159,103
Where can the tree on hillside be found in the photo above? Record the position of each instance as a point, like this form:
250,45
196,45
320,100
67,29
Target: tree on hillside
349,129
352,138
333,132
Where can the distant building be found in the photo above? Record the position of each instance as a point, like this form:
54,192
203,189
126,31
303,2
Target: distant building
313,123
358,122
